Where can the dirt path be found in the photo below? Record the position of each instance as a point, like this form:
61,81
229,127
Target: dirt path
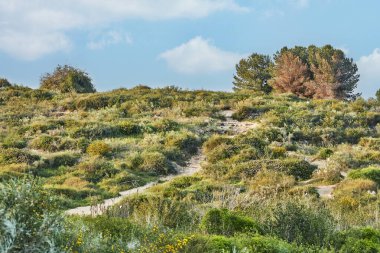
193,166
324,191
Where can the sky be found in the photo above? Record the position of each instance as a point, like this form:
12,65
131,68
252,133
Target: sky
193,44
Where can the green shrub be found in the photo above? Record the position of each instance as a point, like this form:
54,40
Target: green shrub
61,159
129,128
185,141
165,125
4,83
46,143
96,170
300,169
67,79
357,240
14,155
14,141
157,210
296,222
155,162
98,148
29,221
325,153
225,222
372,173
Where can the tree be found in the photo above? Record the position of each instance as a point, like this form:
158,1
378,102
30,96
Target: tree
315,72
66,79
253,73
4,83
378,95
290,74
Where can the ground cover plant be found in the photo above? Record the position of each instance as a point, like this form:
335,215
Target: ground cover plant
242,171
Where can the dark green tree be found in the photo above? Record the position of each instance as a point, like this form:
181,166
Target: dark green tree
253,73
4,83
378,95
66,79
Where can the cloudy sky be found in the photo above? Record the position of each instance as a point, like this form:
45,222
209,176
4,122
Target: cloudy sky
188,43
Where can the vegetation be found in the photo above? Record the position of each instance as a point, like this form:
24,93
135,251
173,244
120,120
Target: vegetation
67,79
312,72
283,173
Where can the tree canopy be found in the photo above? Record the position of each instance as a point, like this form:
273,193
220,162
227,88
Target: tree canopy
66,79
253,73
4,83
311,72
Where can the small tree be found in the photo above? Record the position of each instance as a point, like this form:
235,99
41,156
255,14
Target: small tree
66,79
253,73
4,83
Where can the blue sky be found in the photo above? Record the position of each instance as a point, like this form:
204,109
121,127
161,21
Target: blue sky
188,43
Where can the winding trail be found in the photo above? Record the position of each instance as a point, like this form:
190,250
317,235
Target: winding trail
231,126
325,191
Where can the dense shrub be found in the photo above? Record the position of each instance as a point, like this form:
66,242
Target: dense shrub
372,173
4,83
46,143
300,169
357,240
155,162
129,128
97,169
14,155
157,210
29,221
67,79
296,222
225,222
98,148
325,153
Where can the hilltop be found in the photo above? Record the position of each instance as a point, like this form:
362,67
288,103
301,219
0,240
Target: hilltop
274,172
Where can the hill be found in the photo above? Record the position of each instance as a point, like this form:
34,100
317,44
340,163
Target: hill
218,172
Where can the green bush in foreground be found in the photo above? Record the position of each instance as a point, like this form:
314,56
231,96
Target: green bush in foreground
28,218
225,222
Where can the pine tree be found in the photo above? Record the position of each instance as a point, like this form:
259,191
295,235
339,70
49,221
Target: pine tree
253,73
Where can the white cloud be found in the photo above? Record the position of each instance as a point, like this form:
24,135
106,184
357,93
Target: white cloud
369,69
40,22
110,38
30,46
199,56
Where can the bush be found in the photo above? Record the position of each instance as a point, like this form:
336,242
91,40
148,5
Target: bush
300,169
14,155
157,210
46,143
67,79
96,170
225,222
155,162
98,148
295,222
325,153
357,240
129,128
372,173
29,221
4,83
